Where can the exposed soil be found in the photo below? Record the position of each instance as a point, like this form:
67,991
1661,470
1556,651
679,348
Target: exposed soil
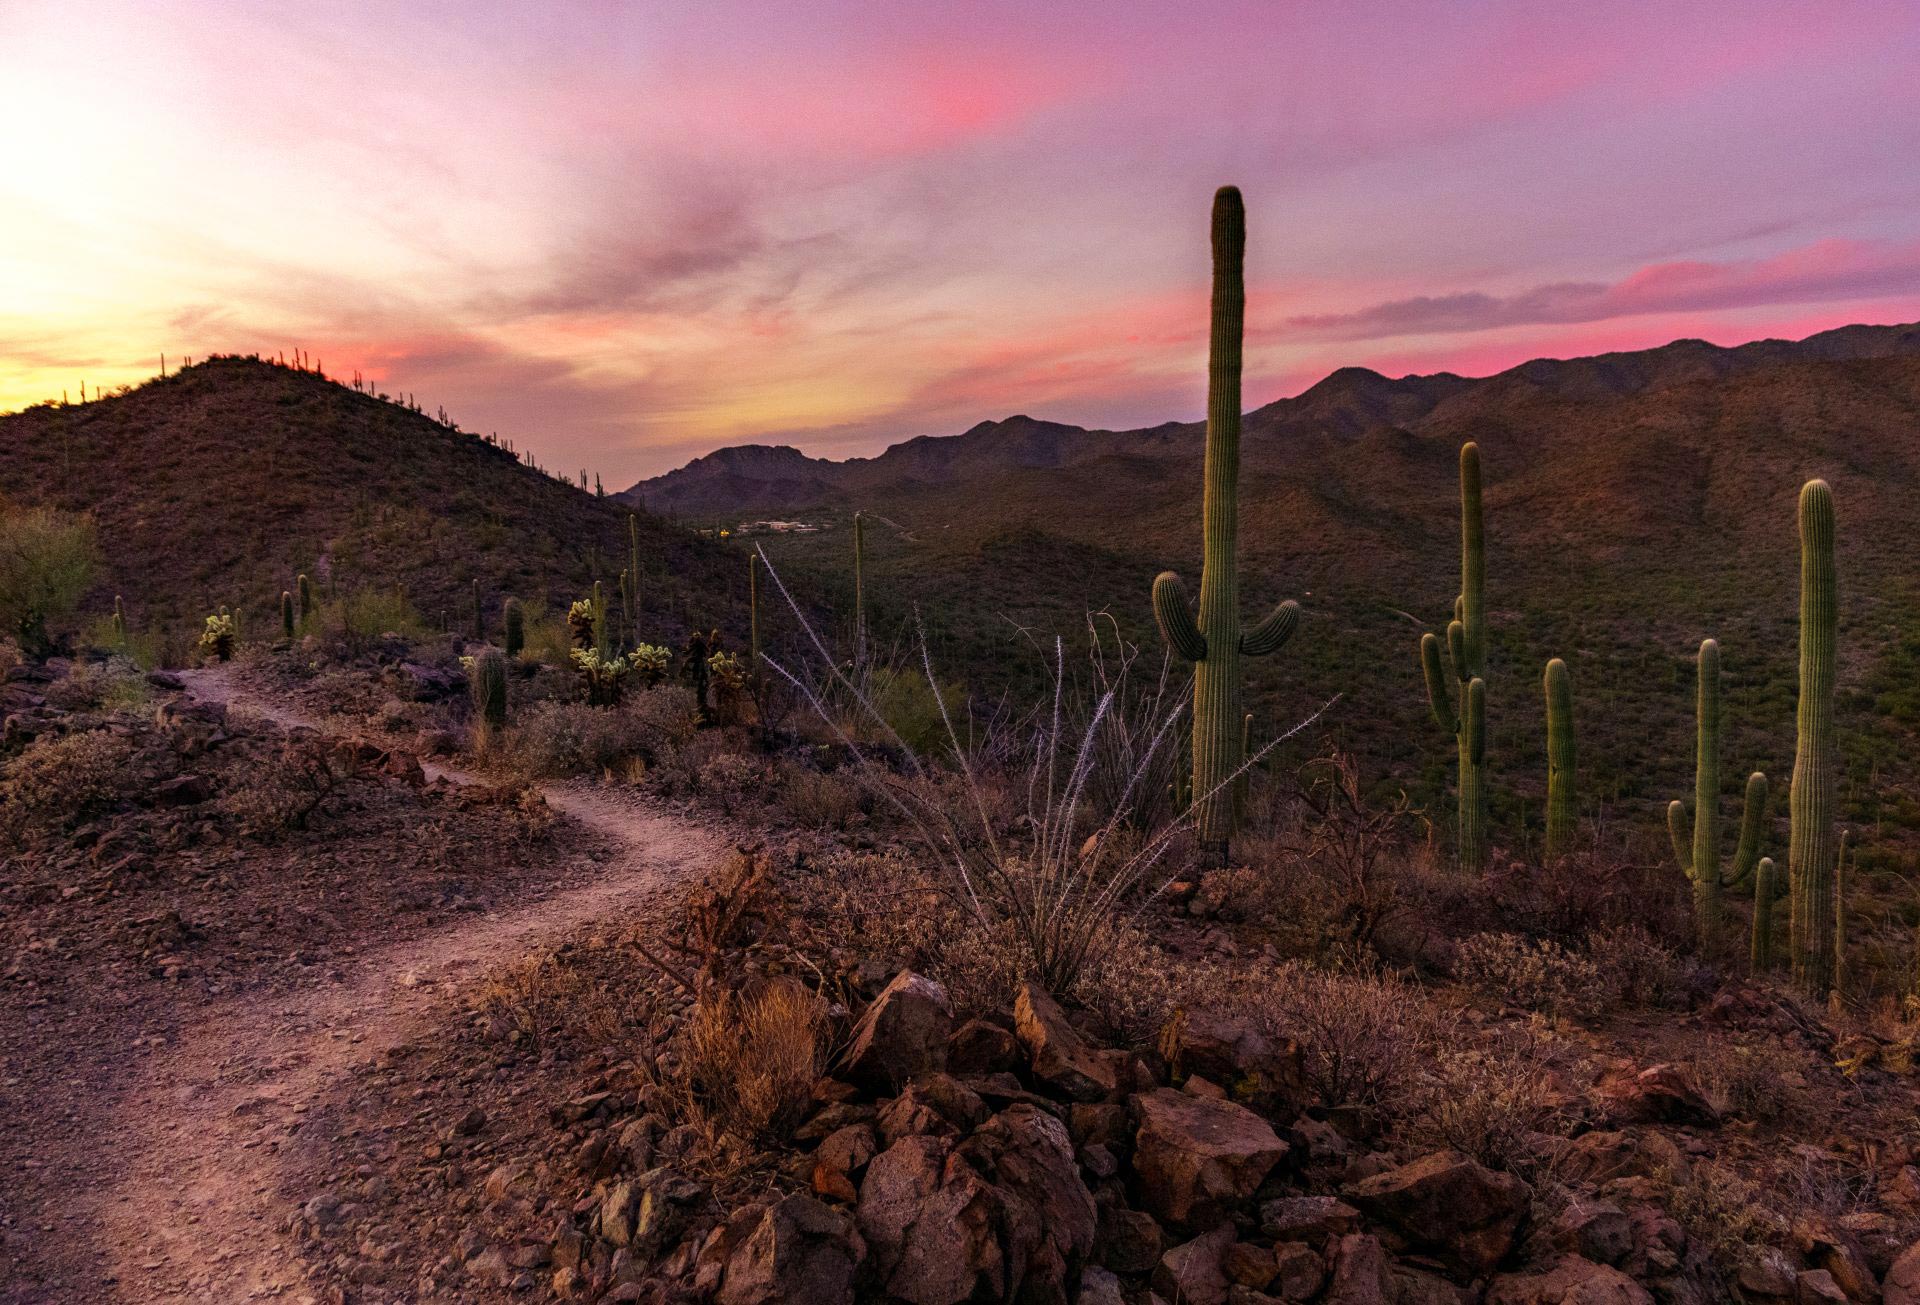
164,1130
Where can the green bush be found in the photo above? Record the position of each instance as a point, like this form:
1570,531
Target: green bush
46,563
58,782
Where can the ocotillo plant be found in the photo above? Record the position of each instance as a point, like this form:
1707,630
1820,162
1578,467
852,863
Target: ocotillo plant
1766,891
304,587
753,614
515,622
489,692
479,615
1812,848
1215,641
1701,864
1467,650
286,615
1563,810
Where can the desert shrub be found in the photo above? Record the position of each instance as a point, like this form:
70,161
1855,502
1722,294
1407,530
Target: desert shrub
666,716
553,739
730,778
115,685
549,999
819,800
1488,1103
751,1060
1572,897
1765,1080
1363,1036
46,563
57,782
1534,975
1133,987
346,693
1725,1213
279,794
1635,968
906,700
351,623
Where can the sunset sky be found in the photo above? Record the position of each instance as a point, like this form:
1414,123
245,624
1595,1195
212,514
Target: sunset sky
625,234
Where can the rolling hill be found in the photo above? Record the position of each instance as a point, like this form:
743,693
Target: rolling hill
218,484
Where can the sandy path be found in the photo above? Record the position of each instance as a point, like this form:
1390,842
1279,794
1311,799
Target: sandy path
193,1212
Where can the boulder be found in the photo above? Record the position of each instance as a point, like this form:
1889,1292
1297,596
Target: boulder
1195,1158
1660,1094
1569,1280
1060,1057
1098,1286
1226,1049
1817,1287
1298,1272
1593,1229
801,1253
980,1047
1049,1219
1249,1264
838,1160
1194,1273
1359,1272
1315,1220
1128,1241
1449,1206
903,1033
1902,1285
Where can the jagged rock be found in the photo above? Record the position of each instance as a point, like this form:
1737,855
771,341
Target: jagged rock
1660,1094
1902,1285
1128,1241
1412,1286
182,791
1446,1204
1249,1265
1317,1144
932,1103
1100,1124
1569,1280
1195,1272
1828,1247
840,1158
1225,1049
1600,1156
1060,1058
1298,1272
1359,1272
1596,1230
1771,1277
1195,1157
1876,1236
1050,1218
801,1253
981,1047
1098,1286
1817,1287
903,1033
1312,1219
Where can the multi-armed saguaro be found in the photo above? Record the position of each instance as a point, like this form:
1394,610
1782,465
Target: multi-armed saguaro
1467,650
1812,847
1702,863
1215,642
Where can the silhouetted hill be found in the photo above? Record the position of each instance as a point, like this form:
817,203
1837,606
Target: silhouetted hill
218,484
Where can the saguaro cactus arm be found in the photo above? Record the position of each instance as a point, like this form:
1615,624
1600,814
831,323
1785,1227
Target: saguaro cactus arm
1680,830
1272,634
1175,617
1436,674
1753,817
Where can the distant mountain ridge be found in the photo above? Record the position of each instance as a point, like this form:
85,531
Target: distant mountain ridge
755,478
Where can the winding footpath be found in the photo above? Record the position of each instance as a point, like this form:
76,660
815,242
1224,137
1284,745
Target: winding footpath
192,1210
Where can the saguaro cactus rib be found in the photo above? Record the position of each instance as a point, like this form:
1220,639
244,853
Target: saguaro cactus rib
1812,848
1213,638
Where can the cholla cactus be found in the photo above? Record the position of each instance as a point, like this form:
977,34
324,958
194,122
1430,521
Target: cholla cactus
217,639
604,675
487,676
650,664
728,678
514,619
580,625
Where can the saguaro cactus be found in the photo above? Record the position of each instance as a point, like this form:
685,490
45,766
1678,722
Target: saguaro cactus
514,620
489,691
1215,642
304,587
286,614
1702,864
1766,891
1812,849
1467,650
1563,808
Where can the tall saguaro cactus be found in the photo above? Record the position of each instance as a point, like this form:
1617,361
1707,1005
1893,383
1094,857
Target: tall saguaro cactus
1812,848
303,585
1766,891
1467,651
1563,811
1215,642
513,620
1701,865
286,615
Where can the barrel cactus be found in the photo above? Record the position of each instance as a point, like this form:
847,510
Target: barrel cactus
1700,862
1563,809
1215,641
513,620
1813,848
1467,651
489,684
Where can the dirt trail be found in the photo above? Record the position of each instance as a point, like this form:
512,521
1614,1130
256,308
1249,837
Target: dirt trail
193,1212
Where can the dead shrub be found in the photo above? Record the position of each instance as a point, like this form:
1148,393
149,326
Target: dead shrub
728,779
1351,852
58,782
278,794
1538,975
818,800
1362,1036
1635,968
1766,1080
549,1000
1488,1103
751,1061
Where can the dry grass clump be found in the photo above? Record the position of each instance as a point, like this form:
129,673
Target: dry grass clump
1533,974
1766,1079
750,1061
820,800
58,782
1363,1037
548,1000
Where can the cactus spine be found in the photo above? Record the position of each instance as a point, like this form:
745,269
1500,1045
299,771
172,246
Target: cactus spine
1701,864
286,614
1766,890
490,691
1563,811
1215,641
1812,848
515,621
1467,650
